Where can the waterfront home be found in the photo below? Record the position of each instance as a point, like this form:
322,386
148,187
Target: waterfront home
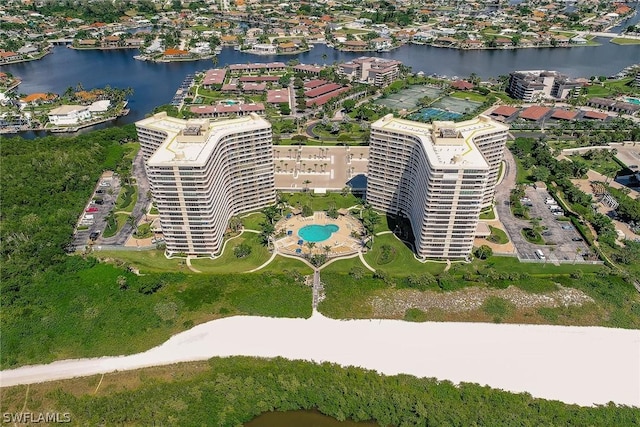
176,54
67,115
8,56
111,41
34,99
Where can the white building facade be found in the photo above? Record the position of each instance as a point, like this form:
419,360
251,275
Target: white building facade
203,174
68,115
434,175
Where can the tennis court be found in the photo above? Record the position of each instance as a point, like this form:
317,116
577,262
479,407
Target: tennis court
457,105
407,99
429,114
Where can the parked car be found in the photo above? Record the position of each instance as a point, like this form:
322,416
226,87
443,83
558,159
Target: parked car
577,239
98,202
94,235
92,209
99,191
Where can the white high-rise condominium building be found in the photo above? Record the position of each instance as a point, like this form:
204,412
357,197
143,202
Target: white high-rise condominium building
204,173
436,176
490,137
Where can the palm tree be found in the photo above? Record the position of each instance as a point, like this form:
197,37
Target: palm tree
306,182
311,245
327,249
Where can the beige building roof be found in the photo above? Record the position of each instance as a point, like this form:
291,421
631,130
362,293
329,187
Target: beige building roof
67,109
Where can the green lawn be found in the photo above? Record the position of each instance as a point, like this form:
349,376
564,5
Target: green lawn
472,96
322,202
147,261
498,236
120,221
523,176
488,214
253,220
344,265
229,263
604,164
127,198
403,262
609,87
509,264
282,264
621,40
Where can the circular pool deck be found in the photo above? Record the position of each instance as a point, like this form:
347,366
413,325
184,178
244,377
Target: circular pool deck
340,242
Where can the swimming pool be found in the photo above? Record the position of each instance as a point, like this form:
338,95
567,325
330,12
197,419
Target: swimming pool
633,100
317,233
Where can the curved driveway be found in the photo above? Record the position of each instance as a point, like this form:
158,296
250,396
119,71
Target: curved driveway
583,365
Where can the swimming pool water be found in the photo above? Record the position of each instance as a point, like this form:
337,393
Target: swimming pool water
634,101
317,233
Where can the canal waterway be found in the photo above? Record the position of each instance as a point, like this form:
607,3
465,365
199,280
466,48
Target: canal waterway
302,419
155,83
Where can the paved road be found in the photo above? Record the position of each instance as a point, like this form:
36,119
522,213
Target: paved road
140,207
503,191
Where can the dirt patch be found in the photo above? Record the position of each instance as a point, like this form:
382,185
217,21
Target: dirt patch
394,303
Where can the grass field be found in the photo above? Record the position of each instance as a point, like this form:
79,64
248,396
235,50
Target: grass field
229,263
403,262
471,96
488,214
322,202
147,261
120,221
624,41
498,236
282,264
252,221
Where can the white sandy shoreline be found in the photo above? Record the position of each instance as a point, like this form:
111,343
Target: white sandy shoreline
581,365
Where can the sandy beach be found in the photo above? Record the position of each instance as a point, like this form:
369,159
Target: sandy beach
582,365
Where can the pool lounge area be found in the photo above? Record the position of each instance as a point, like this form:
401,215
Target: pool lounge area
323,231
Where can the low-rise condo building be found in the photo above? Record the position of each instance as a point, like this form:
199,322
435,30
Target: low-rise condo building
377,71
435,175
204,173
535,85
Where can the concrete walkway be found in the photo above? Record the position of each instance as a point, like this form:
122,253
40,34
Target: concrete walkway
365,262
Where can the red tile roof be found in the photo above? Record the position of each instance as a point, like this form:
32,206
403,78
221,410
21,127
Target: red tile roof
535,112
214,76
278,96
462,85
321,100
505,111
259,79
314,83
321,90
564,114
595,115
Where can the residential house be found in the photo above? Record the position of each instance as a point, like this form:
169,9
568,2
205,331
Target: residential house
68,115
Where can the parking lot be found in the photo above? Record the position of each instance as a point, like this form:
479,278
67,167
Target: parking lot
95,212
563,242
